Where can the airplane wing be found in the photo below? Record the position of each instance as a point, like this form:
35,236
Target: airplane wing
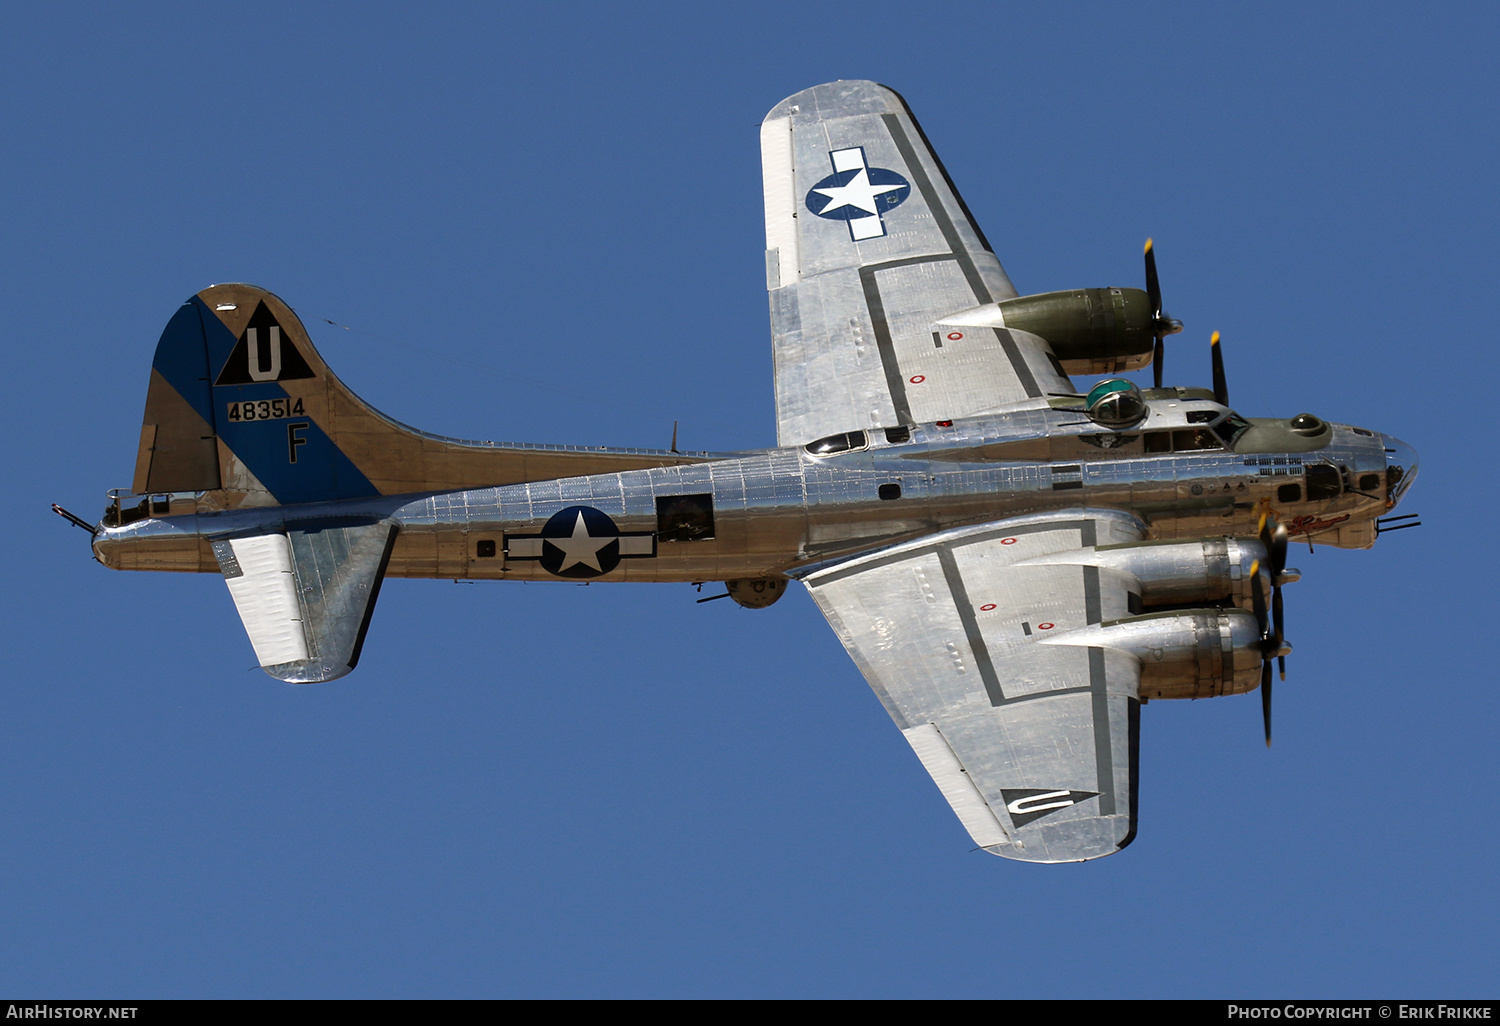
1034,743
868,250
305,594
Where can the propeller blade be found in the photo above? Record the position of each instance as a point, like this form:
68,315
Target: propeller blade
1153,285
1265,698
1274,537
1221,384
1278,638
1258,596
1161,324
1272,643
1153,294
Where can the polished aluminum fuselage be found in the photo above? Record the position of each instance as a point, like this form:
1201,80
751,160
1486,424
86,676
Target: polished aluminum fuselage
778,510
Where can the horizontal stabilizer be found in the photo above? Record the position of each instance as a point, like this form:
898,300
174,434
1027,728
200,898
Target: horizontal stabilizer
306,595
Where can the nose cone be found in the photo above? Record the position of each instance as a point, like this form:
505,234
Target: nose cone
1400,468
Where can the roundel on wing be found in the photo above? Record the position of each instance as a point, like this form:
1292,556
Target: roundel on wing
858,192
580,541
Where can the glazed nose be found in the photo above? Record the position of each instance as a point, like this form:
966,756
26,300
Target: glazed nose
1400,468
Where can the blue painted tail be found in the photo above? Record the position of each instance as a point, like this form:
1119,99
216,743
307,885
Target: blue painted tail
242,406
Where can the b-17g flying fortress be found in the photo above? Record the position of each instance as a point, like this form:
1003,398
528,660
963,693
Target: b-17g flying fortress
1015,564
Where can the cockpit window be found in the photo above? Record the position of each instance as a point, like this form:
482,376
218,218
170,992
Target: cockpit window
1194,438
1188,440
837,443
1230,428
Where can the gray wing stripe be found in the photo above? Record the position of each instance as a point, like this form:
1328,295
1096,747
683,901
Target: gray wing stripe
894,382
947,178
1037,695
1092,603
965,262
930,258
935,204
1104,760
1018,362
971,626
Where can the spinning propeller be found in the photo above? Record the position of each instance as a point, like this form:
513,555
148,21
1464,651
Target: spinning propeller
1161,324
1273,640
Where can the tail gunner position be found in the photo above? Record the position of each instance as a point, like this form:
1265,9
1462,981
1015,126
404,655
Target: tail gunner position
1015,565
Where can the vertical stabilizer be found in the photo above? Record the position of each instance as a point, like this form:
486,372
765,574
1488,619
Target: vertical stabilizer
242,407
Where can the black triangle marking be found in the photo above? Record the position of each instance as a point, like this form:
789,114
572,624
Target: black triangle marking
276,358
1028,803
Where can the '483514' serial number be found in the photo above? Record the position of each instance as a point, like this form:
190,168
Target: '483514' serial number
265,409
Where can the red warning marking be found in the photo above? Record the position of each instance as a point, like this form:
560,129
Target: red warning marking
987,607
917,379
954,336
1007,541
1045,626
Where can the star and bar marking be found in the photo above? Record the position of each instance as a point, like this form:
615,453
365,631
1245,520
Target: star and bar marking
580,541
858,194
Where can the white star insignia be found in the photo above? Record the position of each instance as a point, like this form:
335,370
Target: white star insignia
858,193
580,547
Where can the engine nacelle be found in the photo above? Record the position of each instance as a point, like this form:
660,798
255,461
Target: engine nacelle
1194,653
1176,573
1091,331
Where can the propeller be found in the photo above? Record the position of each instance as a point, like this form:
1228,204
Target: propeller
1161,324
1273,537
1221,383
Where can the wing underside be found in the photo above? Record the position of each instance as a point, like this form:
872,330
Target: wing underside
869,249
1033,744
305,594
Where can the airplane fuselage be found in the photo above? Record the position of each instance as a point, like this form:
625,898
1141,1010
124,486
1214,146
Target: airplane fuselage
762,514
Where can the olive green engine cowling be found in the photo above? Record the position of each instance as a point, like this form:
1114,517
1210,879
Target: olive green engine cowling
1091,331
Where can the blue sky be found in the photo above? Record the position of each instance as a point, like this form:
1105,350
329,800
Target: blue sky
544,224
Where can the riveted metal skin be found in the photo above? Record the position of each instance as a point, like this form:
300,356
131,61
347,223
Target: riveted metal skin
777,509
